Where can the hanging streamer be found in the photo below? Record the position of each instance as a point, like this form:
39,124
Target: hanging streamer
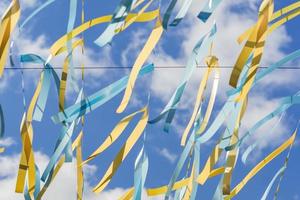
132,139
284,105
254,44
97,99
117,20
182,12
144,17
113,136
140,174
9,20
261,165
208,9
198,52
35,12
141,59
212,63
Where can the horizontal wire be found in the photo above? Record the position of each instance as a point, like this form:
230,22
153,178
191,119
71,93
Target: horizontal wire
156,67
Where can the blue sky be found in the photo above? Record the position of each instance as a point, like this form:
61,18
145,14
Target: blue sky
232,18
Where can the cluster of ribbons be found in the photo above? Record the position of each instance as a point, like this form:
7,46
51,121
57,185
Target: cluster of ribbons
201,127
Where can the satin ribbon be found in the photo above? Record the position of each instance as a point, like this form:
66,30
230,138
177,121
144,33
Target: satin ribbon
35,12
254,44
58,166
208,9
284,105
140,173
141,59
70,27
8,22
122,154
261,74
58,44
212,63
80,175
64,76
27,163
260,166
44,83
267,191
274,26
182,183
225,111
97,99
27,195
198,52
113,136
117,20
62,145
255,144
168,13
182,12
38,99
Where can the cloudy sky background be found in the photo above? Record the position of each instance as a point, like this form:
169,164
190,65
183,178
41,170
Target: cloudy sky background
232,18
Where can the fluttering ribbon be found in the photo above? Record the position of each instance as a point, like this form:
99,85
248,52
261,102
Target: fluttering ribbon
35,12
212,63
97,99
141,59
27,162
284,105
58,44
261,165
244,77
254,44
117,20
182,12
208,9
140,174
8,22
76,144
198,53
122,154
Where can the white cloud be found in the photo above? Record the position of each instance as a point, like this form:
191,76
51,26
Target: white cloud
7,142
63,186
171,157
259,107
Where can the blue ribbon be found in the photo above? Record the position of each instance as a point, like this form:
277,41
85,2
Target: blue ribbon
197,55
208,9
97,99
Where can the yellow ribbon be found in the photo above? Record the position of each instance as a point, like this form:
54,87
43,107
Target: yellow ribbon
8,23
122,154
256,40
114,135
141,59
261,165
61,42
212,63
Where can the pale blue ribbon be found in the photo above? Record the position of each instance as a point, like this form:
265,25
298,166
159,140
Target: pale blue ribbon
198,53
117,20
208,9
36,11
48,72
97,99
140,174
182,12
